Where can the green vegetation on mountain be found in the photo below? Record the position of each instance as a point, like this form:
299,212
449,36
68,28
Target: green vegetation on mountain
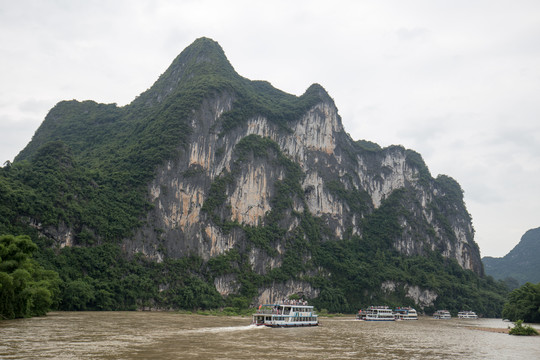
102,278
363,263
86,173
53,189
259,98
521,264
367,145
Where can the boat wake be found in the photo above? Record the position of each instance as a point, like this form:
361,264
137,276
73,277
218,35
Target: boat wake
223,329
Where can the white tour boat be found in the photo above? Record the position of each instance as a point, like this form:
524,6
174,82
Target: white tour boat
405,313
442,315
376,313
287,314
467,315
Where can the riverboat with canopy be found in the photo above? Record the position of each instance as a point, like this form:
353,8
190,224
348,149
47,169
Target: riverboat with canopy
467,315
405,313
376,313
289,313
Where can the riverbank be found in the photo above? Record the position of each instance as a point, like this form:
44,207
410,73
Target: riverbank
495,330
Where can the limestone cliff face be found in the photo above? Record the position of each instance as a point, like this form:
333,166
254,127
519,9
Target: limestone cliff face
316,141
422,297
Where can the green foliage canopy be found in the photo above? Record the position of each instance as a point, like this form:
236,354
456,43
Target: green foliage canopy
26,289
523,304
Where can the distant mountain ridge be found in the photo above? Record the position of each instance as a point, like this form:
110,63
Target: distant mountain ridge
521,263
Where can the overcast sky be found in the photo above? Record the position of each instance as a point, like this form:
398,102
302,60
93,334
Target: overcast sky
456,81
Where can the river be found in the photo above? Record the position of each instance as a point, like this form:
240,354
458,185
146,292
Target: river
163,335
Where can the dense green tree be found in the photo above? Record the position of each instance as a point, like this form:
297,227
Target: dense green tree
26,289
523,304
78,295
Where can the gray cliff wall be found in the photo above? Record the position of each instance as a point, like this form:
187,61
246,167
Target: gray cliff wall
317,142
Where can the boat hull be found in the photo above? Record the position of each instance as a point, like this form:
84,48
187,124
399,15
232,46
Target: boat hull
288,325
406,318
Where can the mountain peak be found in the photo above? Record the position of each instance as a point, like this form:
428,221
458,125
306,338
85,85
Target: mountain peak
320,92
204,57
204,50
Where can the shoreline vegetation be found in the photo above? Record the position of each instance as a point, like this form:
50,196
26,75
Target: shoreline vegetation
519,329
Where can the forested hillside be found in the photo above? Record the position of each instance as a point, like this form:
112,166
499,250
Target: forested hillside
521,263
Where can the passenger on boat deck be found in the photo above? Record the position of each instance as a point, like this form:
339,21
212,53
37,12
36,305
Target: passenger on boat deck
294,302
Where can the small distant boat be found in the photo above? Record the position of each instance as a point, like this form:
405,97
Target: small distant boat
467,315
376,313
442,315
405,313
290,313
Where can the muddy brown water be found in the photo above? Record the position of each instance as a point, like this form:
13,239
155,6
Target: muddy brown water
162,335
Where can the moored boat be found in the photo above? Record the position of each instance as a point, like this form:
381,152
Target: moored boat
289,313
405,313
376,313
442,315
467,315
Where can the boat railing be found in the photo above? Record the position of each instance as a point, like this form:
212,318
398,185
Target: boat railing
269,311
274,311
285,307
